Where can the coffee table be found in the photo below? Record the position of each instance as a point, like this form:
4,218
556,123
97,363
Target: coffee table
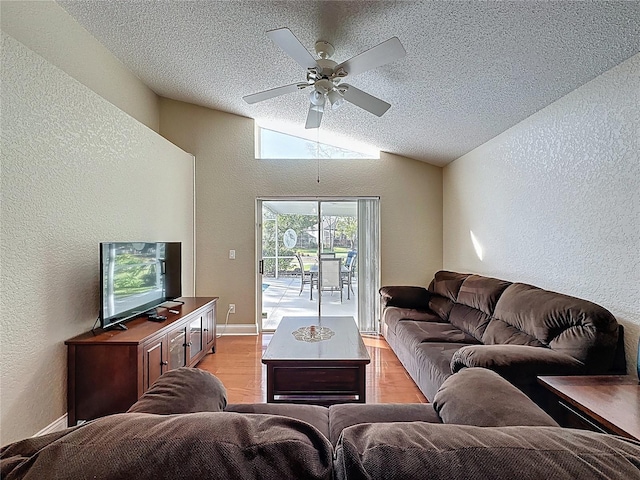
316,361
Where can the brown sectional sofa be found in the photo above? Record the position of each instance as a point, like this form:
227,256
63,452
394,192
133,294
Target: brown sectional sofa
518,330
479,426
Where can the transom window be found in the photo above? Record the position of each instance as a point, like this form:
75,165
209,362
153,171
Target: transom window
274,145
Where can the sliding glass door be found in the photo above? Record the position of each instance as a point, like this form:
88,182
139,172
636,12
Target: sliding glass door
310,261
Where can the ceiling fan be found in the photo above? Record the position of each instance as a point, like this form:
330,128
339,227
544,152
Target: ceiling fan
324,75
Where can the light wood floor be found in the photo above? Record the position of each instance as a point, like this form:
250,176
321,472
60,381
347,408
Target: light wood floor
237,363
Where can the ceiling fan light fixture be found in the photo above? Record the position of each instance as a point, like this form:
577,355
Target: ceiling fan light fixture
317,98
336,99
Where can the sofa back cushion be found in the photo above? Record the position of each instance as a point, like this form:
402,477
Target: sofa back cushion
499,332
529,315
469,320
447,284
208,445
445,287
481,293
474,305
344,415
441,306
420,450
315,415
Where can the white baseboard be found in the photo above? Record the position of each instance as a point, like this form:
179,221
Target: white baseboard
237,329
55,426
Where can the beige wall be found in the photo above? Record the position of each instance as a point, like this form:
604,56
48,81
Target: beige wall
48,30
229,179
555,200
76,171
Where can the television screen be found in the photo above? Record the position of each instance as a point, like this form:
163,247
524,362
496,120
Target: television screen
136,277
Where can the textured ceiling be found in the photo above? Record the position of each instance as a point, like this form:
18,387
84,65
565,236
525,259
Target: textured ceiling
473,69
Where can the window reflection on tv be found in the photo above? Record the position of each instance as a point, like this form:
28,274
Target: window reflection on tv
134,274
134,277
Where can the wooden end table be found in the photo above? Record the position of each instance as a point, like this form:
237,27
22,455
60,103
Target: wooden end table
324,370
605,403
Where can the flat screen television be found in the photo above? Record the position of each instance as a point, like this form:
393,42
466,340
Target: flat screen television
136,277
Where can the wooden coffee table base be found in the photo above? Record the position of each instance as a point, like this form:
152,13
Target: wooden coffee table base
316,382
302,368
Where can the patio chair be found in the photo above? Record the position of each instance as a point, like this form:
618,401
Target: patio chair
305,277
331,275
349,272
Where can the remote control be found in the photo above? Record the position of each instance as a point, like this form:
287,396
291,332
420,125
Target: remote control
157,318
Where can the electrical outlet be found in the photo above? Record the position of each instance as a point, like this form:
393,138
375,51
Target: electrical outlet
232,308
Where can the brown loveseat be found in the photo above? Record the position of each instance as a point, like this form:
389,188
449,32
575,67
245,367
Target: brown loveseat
518,330
479,426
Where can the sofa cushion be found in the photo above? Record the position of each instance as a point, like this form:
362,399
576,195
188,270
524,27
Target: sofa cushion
183,390
475,304
447,284
480,397
499,332
425,450
15,454
345,415
208,445
313,414
569,325
414,333
481,293
393,315
469,320
441,306
433,365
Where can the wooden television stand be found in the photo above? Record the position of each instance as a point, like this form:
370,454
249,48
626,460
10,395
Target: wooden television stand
108,370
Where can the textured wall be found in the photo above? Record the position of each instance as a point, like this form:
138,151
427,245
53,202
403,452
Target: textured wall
555,200
229,179
76,171
48,30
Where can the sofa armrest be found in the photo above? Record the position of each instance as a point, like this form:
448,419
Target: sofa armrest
403,296
481,397
516,362
183,390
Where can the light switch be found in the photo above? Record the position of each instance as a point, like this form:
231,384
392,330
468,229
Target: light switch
232,254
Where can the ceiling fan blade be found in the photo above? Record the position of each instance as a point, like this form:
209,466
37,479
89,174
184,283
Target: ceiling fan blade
365,101
287,41
314,117
386,52
274,92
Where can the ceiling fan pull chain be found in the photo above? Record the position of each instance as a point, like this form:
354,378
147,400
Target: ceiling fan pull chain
318,150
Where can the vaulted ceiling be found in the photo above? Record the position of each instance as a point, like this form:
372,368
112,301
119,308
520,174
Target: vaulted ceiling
472,70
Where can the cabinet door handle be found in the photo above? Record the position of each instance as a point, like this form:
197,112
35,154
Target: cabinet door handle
187,344
164,363
206,329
